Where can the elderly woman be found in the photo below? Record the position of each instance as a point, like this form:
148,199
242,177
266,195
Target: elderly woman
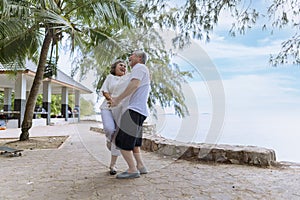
114,84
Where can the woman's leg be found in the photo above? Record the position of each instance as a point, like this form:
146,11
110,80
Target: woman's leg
112,166
114,156
109,126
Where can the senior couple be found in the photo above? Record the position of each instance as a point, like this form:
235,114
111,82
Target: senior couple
124,111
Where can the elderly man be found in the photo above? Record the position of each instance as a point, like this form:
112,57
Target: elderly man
129,136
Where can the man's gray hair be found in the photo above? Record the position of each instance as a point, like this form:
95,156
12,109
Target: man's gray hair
141,54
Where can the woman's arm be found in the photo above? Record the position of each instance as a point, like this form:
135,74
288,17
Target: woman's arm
106,95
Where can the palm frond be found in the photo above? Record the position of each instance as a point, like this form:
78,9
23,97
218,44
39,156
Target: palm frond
49,5
17,42
20,9
56,20
116,12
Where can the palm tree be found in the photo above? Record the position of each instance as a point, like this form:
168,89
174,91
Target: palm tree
27,22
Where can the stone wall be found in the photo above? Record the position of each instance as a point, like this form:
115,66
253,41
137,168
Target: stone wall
201,152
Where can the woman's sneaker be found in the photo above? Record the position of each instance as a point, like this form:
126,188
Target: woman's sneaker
112,170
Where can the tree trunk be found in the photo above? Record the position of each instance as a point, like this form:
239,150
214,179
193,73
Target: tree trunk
32,98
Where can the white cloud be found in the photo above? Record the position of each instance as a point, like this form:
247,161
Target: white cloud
220,48
265,93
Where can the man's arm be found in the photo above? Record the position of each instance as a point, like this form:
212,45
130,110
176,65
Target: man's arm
131,88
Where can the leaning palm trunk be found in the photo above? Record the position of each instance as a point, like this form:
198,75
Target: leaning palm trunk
31,101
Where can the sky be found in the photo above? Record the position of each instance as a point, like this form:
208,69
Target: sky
236,97
262,102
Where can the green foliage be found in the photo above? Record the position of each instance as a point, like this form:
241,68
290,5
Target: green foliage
24,22
166,79
86,107
55,104
50,70
197,18
39,101
1,100
18,35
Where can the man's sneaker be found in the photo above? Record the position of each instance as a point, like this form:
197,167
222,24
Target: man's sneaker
143,170
126,175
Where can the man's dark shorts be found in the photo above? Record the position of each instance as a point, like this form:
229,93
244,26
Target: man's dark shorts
130,132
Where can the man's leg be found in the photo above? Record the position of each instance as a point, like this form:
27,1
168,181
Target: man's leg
139,161
138,157
126,140
128,157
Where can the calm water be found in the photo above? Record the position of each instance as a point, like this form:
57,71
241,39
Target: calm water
278,131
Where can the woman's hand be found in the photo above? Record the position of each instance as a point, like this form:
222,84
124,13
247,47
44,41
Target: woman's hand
107,96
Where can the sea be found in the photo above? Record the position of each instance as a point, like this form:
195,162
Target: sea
278,132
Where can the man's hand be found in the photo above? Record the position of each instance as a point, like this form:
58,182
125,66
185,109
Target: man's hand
132,86
113,102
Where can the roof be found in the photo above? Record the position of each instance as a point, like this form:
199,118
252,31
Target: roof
60,80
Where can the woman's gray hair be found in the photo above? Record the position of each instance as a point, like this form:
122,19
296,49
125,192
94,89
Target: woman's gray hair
142,54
